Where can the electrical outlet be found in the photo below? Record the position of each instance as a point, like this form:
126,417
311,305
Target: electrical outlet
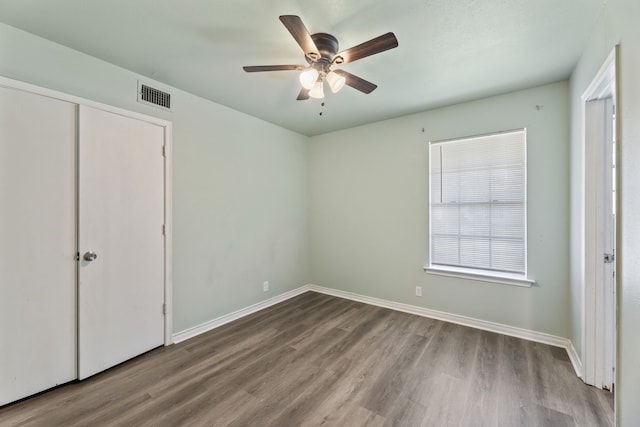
418,291
265,286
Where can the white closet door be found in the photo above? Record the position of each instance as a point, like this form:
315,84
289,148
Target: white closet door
37,243
121,215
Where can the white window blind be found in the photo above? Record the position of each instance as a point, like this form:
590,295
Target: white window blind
478,203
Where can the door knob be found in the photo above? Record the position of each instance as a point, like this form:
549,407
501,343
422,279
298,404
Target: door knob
90,256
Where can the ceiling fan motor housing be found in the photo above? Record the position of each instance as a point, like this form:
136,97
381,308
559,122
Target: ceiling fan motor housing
328,46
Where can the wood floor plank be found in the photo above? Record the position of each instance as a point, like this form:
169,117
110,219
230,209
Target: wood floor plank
440,356
481,402
515,403
357,416
318,360
387,389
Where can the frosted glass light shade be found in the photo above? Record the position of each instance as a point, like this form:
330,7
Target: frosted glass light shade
317,91
308,78
335,81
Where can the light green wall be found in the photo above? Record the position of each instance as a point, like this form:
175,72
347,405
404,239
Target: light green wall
618,24
369,210
242,214
239,183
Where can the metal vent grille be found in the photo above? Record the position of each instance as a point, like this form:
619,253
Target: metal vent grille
154,96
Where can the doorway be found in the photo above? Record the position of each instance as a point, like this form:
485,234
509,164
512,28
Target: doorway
599,268
85,227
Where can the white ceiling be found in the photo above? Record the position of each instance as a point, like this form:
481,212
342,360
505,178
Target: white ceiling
449,50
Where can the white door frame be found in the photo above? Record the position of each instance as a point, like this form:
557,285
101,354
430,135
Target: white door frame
598,300
168,132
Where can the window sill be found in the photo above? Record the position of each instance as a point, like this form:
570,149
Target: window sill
504,279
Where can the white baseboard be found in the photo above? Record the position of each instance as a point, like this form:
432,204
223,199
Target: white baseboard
219,321
575,360
463,320
406,308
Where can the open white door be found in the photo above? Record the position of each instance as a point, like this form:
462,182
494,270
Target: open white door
608,236
121,242
599,339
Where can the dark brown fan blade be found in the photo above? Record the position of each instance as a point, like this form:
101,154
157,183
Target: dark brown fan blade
299,32
256,68
356,82
304,94
373,46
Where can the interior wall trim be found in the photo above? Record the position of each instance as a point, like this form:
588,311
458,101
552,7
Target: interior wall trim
575,361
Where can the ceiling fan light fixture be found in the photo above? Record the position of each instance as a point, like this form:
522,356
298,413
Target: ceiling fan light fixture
308,78
335,81
321,51
317,91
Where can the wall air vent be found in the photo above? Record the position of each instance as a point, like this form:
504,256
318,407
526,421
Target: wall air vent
152,96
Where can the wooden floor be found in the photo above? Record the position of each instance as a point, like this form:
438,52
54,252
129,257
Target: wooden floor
320,360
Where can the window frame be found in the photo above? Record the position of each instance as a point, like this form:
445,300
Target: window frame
479,274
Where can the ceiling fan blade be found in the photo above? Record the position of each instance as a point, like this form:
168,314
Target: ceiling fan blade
304,94
299,32
373,46
257,68
356,82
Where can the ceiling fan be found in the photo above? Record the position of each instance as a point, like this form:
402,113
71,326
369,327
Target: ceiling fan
321,52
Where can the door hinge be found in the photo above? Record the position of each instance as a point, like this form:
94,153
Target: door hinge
164,151
164,309
164,230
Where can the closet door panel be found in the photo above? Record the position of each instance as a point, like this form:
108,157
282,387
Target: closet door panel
37,243
121,217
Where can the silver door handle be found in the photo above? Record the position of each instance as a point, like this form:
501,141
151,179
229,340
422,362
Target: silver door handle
90,256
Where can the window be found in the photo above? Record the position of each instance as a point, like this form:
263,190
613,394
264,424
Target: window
478,206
